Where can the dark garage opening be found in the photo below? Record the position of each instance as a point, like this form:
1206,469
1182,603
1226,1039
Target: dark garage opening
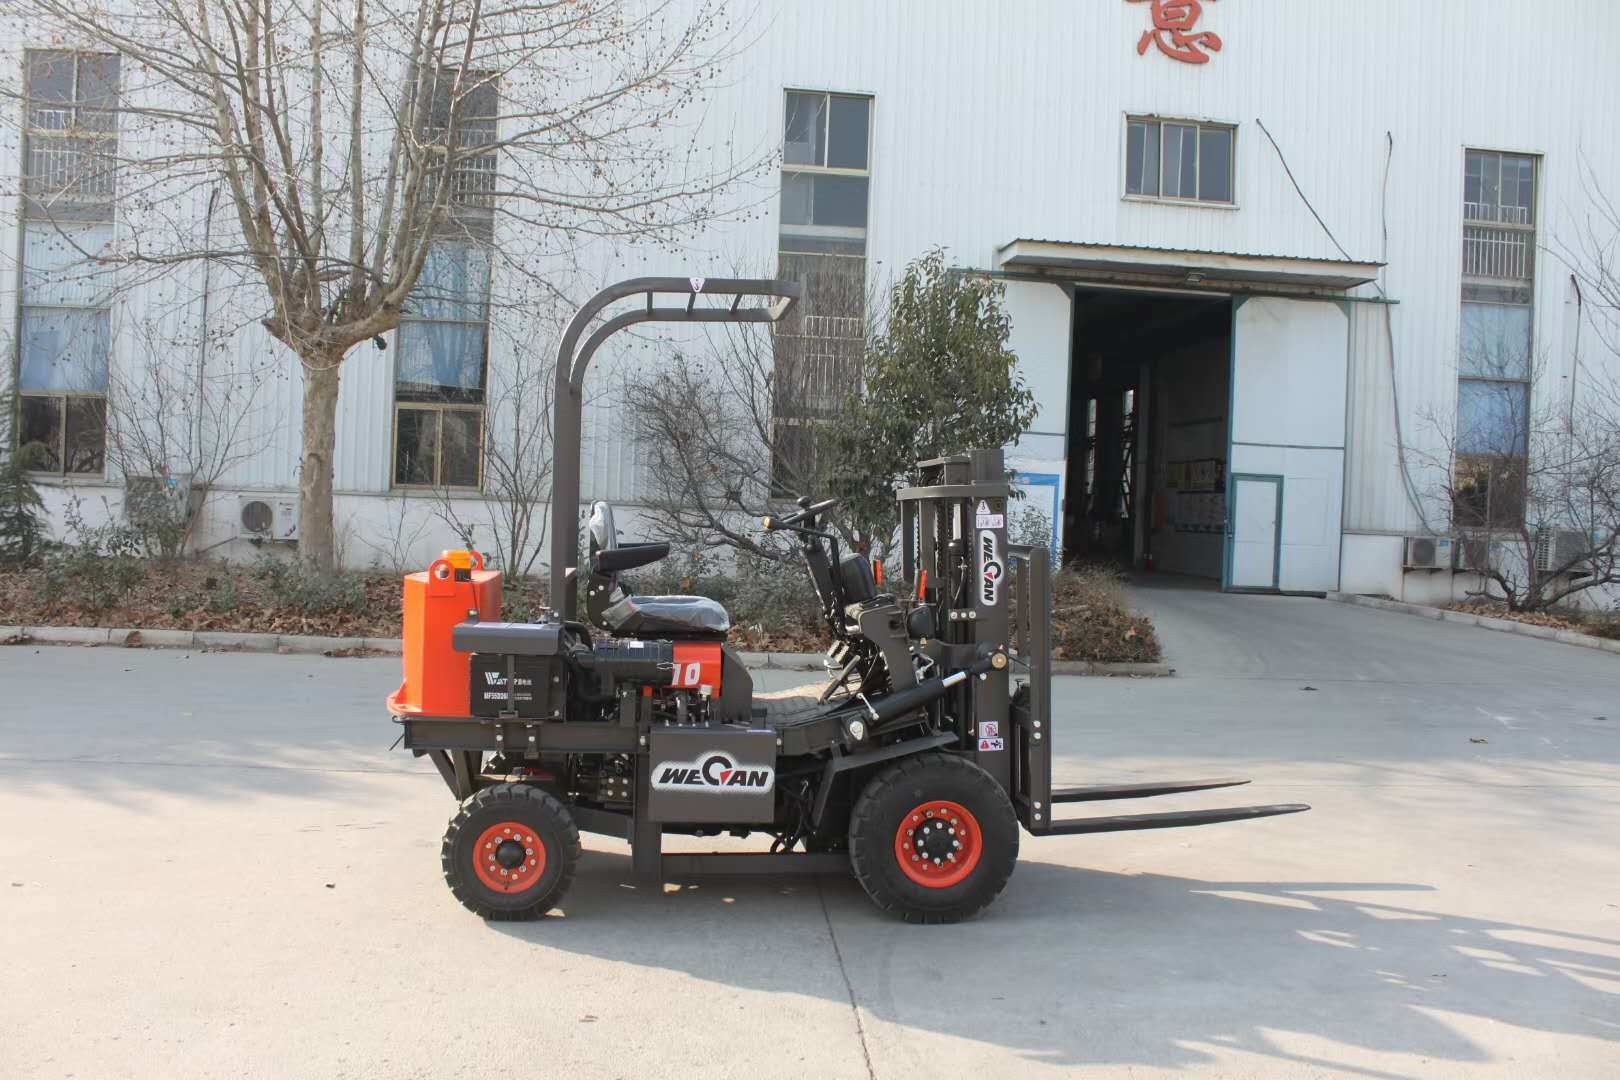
1149,390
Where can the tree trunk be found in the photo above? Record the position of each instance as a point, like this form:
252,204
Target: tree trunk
317,542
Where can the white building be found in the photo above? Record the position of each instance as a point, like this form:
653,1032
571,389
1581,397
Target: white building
1239,378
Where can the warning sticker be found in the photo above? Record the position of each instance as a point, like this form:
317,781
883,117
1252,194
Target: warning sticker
984,519
991,744
989,729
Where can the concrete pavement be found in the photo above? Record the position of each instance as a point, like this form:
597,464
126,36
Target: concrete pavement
210,865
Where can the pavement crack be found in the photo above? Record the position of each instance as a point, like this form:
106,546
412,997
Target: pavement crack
849,987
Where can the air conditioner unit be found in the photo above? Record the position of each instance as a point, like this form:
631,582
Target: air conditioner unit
1557,548
1478,555
1428,553
268,518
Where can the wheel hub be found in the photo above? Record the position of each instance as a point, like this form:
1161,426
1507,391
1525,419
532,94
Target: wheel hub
509,853
936,841
509,857
938,844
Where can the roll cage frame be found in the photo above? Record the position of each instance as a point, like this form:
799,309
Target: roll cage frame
574,360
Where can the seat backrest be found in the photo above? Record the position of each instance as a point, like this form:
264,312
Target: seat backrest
604,537
855,574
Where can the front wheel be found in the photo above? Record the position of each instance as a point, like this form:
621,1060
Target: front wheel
933,839
510,852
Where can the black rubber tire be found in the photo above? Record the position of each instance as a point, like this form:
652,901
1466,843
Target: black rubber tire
883,804
554,827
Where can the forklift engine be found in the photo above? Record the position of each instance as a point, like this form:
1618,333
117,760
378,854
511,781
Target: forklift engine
912,765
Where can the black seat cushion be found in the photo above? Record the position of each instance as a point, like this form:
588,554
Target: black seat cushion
667,615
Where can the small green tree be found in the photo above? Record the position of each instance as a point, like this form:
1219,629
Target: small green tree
938,380
22,513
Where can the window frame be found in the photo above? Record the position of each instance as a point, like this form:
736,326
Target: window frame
1498,291
471,207
1160,199
440,407
814,232
76,212
811,338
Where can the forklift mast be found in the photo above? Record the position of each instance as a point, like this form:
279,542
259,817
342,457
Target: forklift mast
986,593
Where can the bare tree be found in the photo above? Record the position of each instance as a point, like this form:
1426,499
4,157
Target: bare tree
181,418
513,508
1532,483
735,424
350,136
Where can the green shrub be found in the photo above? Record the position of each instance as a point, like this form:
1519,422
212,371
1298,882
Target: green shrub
223,596
96,567
22,512
295,587
523,599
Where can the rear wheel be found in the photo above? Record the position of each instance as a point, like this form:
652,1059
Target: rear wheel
510,852
933,839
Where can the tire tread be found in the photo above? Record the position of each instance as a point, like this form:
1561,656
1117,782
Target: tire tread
513,797
868,864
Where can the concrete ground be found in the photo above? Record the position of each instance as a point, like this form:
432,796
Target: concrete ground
211,865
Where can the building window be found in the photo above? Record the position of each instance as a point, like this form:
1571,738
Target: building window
70,142
826,176
461,123
1170,159
1496,338
441,368
826,168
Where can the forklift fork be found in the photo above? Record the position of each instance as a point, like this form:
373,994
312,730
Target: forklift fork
1031,729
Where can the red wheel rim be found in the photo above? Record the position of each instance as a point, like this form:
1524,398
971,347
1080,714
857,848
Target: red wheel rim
509,857
938,844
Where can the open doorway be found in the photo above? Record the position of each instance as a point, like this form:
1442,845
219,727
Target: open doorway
1149,393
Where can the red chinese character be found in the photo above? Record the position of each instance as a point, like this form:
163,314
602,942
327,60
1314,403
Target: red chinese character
1173,33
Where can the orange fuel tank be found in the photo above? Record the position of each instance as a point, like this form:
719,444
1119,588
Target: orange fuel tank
436,675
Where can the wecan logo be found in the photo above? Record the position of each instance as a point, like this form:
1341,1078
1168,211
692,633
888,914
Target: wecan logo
713,772
990,569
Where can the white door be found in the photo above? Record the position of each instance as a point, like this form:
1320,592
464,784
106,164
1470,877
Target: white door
1255,501
1288,398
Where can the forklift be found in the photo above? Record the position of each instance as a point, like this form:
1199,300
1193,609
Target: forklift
913,765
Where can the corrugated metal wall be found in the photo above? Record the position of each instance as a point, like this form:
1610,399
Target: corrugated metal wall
999,121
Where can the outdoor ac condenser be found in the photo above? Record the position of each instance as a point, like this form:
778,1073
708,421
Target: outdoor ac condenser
268,517
1428,553
1557,548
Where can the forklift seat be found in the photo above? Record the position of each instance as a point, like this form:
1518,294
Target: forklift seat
624,612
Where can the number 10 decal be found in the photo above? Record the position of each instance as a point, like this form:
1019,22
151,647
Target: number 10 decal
697,664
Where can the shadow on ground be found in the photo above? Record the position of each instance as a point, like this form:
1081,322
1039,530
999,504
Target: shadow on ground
1204,966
